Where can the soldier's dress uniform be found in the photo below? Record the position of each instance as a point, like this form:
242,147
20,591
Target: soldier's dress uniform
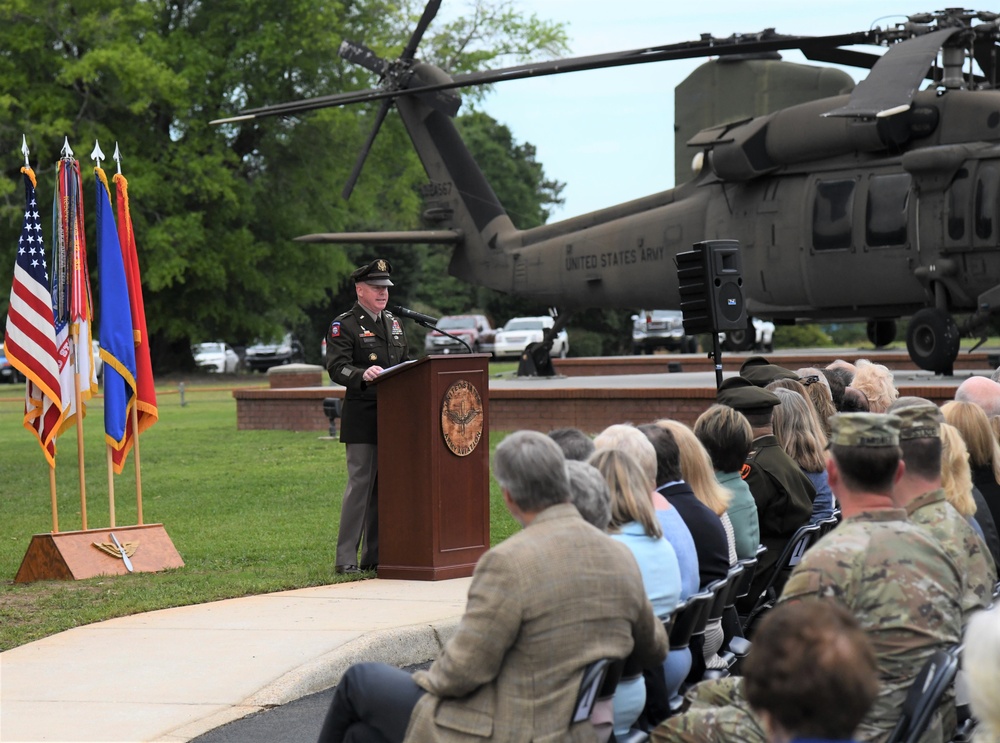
901,587
357,340
781,490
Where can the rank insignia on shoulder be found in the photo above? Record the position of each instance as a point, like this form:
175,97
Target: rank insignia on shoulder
335,329
744,471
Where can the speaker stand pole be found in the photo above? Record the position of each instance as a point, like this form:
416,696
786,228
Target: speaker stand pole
717,354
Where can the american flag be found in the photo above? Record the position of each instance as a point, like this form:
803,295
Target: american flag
30,343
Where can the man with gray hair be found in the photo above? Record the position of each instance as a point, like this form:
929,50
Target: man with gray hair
588,491
982,392
543,605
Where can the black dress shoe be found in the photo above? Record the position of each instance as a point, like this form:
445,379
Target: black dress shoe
347,569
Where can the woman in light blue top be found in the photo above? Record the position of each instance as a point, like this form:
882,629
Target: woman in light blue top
634,523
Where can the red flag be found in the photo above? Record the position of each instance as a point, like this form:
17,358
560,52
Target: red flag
145,392
30,343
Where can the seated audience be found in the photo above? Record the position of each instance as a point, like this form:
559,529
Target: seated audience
836,379
588,491
854,401
984,451
783,493
726,435
875,382
634,524
811,675
820,395
631,440
799,432
981,665
956,477
982,392
574,443
542,606
896,581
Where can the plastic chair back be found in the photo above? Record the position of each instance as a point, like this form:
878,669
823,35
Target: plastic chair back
924,696
690,617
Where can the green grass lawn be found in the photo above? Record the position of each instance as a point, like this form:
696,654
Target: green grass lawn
249,511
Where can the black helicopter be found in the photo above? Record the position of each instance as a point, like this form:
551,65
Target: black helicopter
873,205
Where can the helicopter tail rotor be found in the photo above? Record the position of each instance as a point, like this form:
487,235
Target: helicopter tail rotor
394,76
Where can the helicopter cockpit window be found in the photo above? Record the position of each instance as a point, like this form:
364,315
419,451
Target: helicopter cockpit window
833,214
987,200
885,221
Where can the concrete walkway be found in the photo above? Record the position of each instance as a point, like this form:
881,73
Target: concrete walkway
174,674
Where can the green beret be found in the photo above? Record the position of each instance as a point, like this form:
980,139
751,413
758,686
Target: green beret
864,429
745,396
919,422
375,273
762,372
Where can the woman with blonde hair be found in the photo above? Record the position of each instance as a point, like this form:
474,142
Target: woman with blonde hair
797,428
984,460
634,524
876,382
956,475
698,472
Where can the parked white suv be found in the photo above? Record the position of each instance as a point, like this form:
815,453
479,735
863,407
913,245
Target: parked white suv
519,332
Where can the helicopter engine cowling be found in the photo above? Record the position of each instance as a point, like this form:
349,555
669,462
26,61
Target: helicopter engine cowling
798,134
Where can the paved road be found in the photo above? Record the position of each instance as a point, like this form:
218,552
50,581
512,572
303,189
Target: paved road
296,722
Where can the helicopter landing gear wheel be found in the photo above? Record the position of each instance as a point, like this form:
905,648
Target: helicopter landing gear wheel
881,332
932,340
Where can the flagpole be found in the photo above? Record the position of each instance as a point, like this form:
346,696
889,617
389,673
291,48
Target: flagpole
111,487
138,468
52,495
79,427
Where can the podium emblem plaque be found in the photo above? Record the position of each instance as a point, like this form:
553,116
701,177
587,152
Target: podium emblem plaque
462,418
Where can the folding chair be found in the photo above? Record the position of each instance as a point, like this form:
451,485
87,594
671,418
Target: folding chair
597,690
796,547
724,597
689,620
924,696
827,525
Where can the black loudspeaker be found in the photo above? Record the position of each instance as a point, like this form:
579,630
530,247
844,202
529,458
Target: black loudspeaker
710,278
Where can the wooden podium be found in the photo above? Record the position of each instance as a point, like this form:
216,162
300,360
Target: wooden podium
433,467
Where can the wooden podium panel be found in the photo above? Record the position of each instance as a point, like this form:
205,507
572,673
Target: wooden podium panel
434,503
72,555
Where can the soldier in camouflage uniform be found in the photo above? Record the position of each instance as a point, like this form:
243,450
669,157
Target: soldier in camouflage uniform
919,492
899,584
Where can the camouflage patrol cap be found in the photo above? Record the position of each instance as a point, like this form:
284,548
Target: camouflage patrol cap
375,273
762,372
743,395
864,429
919,422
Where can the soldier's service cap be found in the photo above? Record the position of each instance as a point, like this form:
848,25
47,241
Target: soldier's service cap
762,372
375,273
864,429
745,396
919,422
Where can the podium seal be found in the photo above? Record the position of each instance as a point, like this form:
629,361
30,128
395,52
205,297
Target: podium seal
462,418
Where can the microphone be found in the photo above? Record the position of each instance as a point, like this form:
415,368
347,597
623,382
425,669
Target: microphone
419,317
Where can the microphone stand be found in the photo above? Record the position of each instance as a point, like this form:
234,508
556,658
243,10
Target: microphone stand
432,326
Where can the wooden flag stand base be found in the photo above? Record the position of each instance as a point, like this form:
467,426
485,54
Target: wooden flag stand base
73,555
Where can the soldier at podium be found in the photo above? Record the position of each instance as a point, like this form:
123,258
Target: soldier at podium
360,344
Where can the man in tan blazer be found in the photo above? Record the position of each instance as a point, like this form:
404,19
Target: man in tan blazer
542,606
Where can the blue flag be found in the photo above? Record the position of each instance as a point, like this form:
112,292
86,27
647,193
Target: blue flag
117,338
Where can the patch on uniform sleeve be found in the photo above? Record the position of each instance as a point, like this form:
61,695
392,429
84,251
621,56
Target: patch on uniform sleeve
335,329
744,471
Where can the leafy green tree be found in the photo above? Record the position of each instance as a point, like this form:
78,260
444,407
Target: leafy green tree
214,208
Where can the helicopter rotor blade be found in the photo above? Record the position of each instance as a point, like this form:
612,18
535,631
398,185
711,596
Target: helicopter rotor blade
430,11
896,77
383,111
361,55
708,47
